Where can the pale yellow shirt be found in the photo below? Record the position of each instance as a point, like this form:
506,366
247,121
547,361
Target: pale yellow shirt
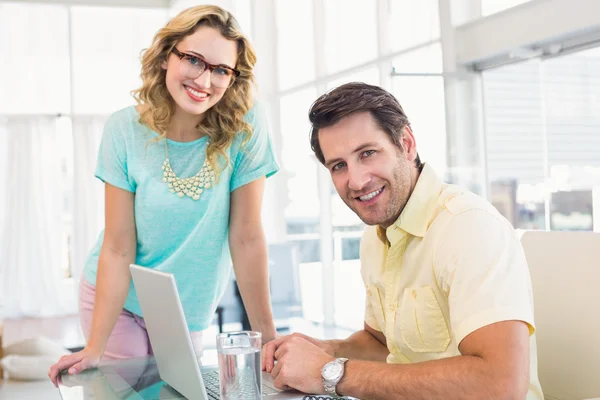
449,265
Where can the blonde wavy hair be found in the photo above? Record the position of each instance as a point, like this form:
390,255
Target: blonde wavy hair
224,120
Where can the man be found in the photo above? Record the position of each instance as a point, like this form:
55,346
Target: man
449,306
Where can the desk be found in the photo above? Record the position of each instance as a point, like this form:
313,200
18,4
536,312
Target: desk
131,379
135,378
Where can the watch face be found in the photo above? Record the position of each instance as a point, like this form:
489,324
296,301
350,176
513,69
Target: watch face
332,370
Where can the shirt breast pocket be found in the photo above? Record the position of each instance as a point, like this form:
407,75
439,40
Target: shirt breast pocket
420,321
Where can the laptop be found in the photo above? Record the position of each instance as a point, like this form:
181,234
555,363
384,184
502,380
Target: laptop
172,344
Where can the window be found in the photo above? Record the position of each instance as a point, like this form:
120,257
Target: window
297,158
571,89
65,139
489,7
295,43
413,23
350,33
302,212
243,14
369,75
42,79
34,66
426,59
34,82
106,62
514,127
542,124
422,98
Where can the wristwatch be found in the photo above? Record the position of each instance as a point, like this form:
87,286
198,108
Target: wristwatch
332,373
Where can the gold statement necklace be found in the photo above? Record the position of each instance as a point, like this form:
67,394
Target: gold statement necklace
191,187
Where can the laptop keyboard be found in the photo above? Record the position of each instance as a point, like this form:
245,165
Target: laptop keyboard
211,381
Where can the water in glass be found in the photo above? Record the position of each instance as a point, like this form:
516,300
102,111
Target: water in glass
240,368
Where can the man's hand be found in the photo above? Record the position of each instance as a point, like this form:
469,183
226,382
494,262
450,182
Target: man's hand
269,338
299,364
269,349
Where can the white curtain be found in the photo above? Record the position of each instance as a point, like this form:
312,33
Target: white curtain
44,71
88,192
3,164
106,62
34,58
33,238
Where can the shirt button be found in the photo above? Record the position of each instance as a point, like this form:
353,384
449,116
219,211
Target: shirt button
414,294
392,307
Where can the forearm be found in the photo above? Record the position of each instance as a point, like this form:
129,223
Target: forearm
112,286
465,377
250,263
362,346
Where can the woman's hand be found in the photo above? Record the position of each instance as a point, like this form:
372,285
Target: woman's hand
75,363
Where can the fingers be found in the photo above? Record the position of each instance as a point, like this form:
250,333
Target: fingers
279,382
278,353
63,362
52,375
276,370
269,351
279,379
265,348
303,336
294,342
74,363
281,355
78,367
282,386
267,354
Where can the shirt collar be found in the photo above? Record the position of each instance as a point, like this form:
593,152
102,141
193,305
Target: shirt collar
419,210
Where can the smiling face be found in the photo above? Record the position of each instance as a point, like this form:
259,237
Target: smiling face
196,96
374,177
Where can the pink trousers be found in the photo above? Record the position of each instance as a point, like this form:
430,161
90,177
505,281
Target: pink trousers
129,337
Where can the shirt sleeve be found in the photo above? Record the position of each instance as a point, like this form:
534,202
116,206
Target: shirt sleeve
112,156
255,156
480,264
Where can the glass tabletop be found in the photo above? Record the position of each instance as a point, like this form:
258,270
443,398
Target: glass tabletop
130,379
135,378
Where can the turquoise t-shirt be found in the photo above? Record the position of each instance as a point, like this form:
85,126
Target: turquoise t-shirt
180,235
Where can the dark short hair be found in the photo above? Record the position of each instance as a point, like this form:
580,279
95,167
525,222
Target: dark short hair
352,98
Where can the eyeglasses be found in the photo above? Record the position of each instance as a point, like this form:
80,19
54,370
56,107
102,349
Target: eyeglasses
192,66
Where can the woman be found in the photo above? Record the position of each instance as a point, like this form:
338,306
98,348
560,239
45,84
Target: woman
184,174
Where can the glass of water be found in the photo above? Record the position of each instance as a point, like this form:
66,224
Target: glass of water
240,365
